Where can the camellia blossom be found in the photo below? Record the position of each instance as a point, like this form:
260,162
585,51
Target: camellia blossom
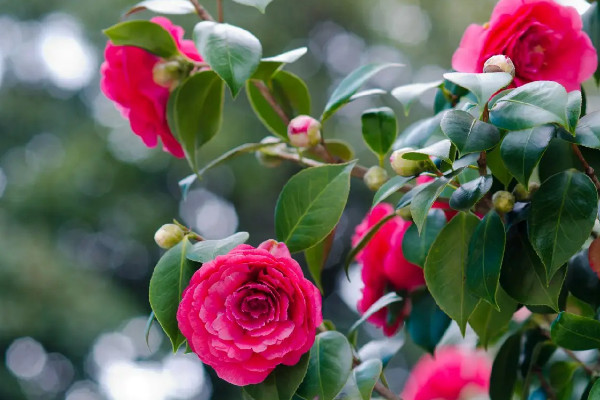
248,311
127,79
543,39
451,374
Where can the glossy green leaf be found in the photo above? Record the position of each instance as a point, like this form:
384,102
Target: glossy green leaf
408,197
426,324
533,104
483,86
574,101
143,34
424,199
336,147
367,93
521,151
311,204
316,257
587,132
379,129
207,250
496,165
561,373
445,269
383,350
504,369
260,5
232,52
281,384
486,251
415,246
407,94
468,194
574,332
582,281
383,302
389,188
418,133
362,381
195,112
170,277
468,134
562,216
364,241
291,94
270,65
439,150
174,7
328,368
595,389
350,85
488,322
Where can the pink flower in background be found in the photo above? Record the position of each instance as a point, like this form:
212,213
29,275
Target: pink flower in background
451,374
443,205
127,79
544,40
248,311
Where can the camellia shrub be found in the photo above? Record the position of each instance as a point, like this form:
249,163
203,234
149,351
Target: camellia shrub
484,214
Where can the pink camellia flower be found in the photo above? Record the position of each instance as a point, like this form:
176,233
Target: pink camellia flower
304,131
127,79
543,39
451,374
248,311
384,268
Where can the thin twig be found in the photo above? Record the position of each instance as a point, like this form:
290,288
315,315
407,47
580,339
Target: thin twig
385,392
358,171
588,370
201,11
482,163
589,171
545,385
266,93
220,10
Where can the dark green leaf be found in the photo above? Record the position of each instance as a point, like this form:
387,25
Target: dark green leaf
207,250
407,199
445,269
496,165
582,281
281,384
424,199
521,151
418,133
468,194
383,349
380,304
316,257
149,323
595,390
389,188
439,150
328,368
260,5
488,322
350,85
407,94
364,240
468,134
483,86
587,132
562,216
270,65
365,376
574,332
486,251
504,369
379,129
311,204
427,323
231,52
573,109
164,7
143,34
561,373
414,246
170,277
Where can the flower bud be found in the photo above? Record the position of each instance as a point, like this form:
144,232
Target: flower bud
404,167
499,63
521,193
168,236
375,177
503,201
533,187
167,73
267,156
304,131
404,213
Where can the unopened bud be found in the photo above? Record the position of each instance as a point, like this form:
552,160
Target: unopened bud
499,63
503,201
167,73
168,236
267,156
404,167
533,187
521,193
405,213
375,177
304,131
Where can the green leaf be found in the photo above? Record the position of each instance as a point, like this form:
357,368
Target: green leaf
143,34
170,277
483,86
587,132
574,332
468,194
533,104
362,381
496,165
270,65
195,112
418,133
232,52
561,373
282,383
486,251
389,188
591,25
379,129
380,304
350,85
582,281
311,204
488,322
414,246
521,151
468,134
290,92
424,199
316,257
445,269
407,94
260,5
175,7
426,324
207,250
439,150
595,390
504,369
562,216
383,350
574,101
328,368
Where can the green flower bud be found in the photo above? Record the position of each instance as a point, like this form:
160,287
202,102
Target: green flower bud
168,73
404,167
521,193
267,156
503,201
405,213
499,63
375,177
533,187
168,236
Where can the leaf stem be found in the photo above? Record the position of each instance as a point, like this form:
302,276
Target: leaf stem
482,163
266,93
589,171
201,11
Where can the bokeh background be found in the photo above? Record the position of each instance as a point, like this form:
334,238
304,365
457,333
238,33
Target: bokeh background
81,197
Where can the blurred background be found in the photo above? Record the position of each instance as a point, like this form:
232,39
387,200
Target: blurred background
81,196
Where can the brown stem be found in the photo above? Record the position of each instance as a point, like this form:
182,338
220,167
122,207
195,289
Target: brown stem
220,10
201,11
266,93
385,392
545,385
589,171
482,163
358,171
588,370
